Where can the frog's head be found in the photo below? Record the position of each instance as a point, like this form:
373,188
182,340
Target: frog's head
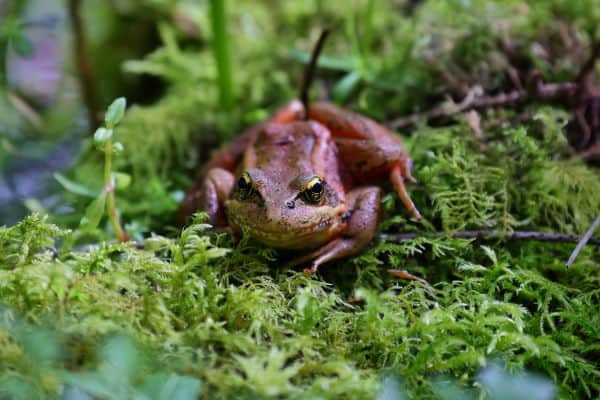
286,209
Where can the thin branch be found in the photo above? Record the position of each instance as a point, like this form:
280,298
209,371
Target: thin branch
593,153
584,240
84,66
26,110
470,102
491,234
309,73
588,66
475,102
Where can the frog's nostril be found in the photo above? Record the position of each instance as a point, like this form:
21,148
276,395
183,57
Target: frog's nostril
290,204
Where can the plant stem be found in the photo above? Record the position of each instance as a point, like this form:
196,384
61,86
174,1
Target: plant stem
490,234
84,66
109,187
218,19
309,72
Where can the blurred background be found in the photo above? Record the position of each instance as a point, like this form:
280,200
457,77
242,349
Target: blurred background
189,87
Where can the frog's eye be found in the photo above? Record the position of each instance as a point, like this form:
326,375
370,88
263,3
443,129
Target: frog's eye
244,185
313,190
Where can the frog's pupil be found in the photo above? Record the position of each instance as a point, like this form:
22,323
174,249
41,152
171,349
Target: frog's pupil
243,183
317,188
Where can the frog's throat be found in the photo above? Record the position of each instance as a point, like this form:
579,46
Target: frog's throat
296,238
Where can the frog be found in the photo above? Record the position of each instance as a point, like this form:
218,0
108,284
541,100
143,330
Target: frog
307,179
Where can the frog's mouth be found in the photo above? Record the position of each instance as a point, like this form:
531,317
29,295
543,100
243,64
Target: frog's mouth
298,237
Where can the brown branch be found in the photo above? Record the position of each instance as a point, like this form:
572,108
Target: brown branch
490,234
470,102
309,73
588,66
584,240
474,102
84,66
591,153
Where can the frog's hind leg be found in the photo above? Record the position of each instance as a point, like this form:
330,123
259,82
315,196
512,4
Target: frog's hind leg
367,149
398,174
364,216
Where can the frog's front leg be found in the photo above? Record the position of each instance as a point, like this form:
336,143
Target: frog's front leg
367,149
364,214
215,190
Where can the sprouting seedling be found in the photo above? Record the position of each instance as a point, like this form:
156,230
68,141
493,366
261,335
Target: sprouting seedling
103,139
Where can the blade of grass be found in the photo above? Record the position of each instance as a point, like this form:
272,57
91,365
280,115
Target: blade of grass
218,20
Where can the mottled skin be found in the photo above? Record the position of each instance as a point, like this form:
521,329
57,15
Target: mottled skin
266,182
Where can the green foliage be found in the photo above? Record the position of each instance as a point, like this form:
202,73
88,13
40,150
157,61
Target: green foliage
221,314
497,384
123,371
115,112
221,48
103,139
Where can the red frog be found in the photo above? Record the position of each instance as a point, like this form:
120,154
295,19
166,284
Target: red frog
302,180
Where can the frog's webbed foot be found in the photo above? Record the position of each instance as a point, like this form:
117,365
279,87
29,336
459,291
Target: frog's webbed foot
365,213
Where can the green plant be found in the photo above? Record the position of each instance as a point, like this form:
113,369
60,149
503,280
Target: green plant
221,49
103,139
123,369
12,35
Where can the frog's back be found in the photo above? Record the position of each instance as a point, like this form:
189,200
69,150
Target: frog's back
303,148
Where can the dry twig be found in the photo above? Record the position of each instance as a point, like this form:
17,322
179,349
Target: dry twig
584,240
473,101
491,234
309,73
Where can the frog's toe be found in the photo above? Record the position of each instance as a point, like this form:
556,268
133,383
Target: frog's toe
310,271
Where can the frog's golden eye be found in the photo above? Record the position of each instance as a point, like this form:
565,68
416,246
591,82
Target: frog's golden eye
313,190
244,185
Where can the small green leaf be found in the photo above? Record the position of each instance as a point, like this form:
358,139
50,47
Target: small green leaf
344,88
255,116
22,45
122,180
520,386
93,383
490,253
93,213
118,148
74,187
123,356
41,345
339,63
34,205
115,112
447,389
102,135
71,392
391,388
163,386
